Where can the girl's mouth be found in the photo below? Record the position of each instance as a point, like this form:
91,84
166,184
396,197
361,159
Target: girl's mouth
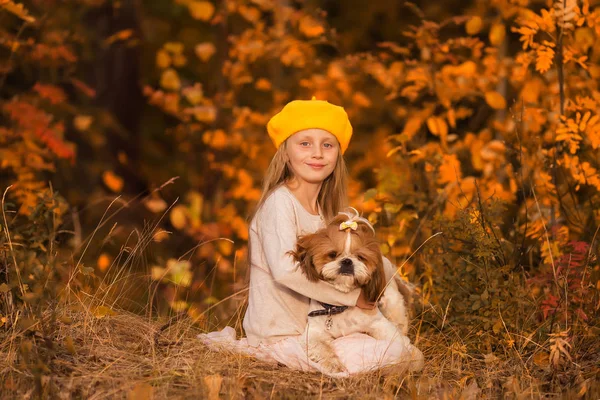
316,166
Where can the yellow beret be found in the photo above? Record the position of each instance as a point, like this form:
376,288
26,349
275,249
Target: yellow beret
299,115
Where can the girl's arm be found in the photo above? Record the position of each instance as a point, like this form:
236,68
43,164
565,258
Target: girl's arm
277,234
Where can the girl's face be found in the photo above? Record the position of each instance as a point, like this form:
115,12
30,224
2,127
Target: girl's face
312,154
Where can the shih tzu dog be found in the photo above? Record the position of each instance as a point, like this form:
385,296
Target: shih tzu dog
347,254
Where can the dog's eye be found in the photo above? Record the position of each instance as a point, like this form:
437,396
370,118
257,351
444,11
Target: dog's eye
361,258
332,254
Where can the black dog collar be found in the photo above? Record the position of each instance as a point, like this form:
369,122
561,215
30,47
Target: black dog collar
328,309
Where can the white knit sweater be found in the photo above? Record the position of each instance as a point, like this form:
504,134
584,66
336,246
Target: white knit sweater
279,295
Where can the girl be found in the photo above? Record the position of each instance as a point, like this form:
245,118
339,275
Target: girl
305,185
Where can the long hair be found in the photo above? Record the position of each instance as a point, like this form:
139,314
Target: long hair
332,198
333,195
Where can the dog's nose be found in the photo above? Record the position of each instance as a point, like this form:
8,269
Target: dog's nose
347,267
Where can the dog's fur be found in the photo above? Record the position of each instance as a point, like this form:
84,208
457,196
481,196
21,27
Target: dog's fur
349,259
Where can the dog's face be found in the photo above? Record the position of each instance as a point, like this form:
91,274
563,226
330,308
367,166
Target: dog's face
346,258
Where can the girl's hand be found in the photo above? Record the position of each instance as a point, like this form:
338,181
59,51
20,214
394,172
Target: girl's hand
363,303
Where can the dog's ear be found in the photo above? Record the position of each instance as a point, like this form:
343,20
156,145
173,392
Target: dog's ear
376,284
302,255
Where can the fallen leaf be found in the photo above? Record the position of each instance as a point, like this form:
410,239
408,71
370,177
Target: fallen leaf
103,311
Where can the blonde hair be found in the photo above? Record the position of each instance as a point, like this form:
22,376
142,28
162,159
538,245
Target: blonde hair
333,195
332,198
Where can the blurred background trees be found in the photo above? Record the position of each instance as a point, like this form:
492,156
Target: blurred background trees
478,119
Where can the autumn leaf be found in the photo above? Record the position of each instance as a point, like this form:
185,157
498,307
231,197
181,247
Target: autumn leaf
103,262
170,80
103,311
112,181
544,57
201,10
310,27
474,25
495,100
497,34
449,170
156,204
178,216
263,84
437,126
17,9
163,59
82,122
204,51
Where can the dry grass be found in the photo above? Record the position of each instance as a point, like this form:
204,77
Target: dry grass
127,356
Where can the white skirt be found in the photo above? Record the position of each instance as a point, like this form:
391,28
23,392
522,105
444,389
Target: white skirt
358,352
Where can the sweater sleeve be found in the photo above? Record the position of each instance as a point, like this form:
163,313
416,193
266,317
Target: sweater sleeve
276,229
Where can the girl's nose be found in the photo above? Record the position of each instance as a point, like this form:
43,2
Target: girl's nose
318,152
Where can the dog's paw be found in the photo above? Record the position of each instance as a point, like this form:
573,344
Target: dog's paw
333,365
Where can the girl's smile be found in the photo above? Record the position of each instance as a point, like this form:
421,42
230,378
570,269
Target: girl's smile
312,155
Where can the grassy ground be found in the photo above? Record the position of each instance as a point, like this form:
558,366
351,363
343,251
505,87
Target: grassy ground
96,353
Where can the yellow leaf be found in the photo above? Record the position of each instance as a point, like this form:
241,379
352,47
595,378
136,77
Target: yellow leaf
160,235
204,51
178,216
179,306
103,311
173,47
170,80
584,39
141,391
205,113
449,170
156,204
263,84
216,139
474,25
361,100
179,60
225,247
495,100
310,27
82,122
249,13
193,94
163,59
17,9
412,126
112,181
437,126
202,10
213,386
103,262
157,273
497,34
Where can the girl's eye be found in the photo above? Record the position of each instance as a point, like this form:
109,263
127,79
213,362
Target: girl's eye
332,254
304,144
328,145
